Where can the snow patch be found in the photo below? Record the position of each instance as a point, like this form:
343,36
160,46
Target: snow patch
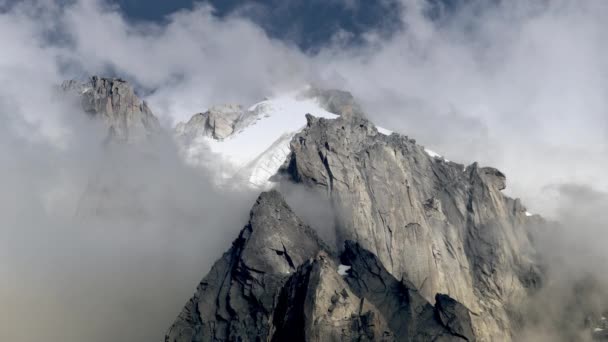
384,130
528,214
434,154
598,330
343,270
256,151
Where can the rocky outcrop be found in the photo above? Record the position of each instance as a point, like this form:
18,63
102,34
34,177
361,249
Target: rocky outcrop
409,315
317,305
112,99
218,122
445,227
236,300
454,316
280,282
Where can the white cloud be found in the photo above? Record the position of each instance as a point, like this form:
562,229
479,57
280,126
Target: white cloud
518,86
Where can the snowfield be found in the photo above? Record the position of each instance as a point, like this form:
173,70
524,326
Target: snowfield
256,152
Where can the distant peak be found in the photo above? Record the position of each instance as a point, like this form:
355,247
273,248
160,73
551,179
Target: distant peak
113,99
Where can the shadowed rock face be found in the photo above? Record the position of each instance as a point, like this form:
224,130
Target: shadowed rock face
236,300
317,305
280,282
409,315
446,228
452,315
128,117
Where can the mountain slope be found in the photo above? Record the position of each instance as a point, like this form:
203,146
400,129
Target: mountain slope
280,282
128,118
249,144
447,228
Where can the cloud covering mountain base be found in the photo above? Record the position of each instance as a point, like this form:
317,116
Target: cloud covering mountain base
515,85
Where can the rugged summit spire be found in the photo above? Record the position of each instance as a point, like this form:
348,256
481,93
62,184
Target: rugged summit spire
280,282
420,227
128,117
445,227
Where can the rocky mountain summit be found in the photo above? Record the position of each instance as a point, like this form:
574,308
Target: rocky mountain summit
116,191
218,122
128,117
416,227
431,227
280,282
445,227
248,145
425,249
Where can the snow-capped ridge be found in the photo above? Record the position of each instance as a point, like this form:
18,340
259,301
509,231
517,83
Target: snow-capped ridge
251,143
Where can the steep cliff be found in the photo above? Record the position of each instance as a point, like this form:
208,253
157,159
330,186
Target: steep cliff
280,282
445,227
112,99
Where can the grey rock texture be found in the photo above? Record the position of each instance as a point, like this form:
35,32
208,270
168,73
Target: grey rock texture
317,305
218,122
279,282
128,117
235,301
409,315
446,228
454,316
600,328
134,138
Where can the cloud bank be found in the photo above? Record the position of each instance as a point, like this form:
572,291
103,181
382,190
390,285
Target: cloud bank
516,85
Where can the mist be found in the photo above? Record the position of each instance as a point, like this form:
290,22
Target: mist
102,241
574,293
516,85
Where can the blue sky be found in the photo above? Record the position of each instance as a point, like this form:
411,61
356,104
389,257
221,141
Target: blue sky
307,23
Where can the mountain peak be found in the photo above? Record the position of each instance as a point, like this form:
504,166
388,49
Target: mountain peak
336,101
127,117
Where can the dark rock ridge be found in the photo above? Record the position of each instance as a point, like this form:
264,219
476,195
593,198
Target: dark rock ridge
445,227
236,300
409,315
112,99
438,226
280,282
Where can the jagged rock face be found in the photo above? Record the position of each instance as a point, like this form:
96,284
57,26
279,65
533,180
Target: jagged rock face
128,117
410,316
446,228
453,315
280,282
317,305
235,301
247,147
219,122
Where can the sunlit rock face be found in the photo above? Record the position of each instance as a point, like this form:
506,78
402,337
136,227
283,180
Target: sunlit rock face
127,117
433,226
280,282
247,146
445,227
